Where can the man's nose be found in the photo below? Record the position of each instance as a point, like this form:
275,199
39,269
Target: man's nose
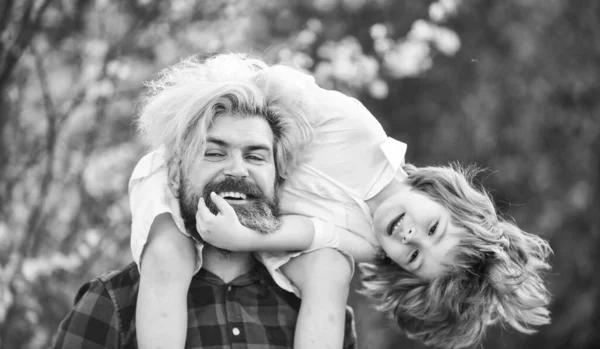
236,167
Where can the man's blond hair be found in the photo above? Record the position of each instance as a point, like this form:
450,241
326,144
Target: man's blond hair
182,103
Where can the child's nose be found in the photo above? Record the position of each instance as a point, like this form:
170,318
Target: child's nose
408,235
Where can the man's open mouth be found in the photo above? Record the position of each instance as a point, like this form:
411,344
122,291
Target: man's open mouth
234,195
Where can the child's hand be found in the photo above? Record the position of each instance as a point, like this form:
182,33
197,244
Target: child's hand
224,230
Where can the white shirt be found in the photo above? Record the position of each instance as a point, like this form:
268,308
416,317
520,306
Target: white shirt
350,160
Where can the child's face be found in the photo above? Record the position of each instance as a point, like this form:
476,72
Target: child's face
417,233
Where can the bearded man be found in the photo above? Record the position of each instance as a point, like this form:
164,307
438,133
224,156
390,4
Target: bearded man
224,143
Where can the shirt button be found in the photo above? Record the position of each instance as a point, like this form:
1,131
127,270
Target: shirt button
236,331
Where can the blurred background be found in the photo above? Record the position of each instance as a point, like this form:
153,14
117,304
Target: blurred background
510,85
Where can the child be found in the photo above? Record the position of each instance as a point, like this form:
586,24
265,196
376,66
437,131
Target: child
439,259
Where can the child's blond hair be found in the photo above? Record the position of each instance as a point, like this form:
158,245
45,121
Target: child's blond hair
495,275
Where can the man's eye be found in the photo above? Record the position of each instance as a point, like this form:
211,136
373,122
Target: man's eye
213,154
413,256
433,229
254,158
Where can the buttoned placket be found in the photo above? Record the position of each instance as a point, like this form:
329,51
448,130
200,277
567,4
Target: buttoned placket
234,306
234,317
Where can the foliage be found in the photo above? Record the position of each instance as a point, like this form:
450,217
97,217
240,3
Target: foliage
510,85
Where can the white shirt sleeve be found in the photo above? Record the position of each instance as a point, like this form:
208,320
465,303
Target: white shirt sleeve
150,196
326,236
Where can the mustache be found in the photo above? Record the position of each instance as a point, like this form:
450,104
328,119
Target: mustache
230,184
260,214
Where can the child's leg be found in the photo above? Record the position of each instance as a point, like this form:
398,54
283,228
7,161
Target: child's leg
167,268
323,278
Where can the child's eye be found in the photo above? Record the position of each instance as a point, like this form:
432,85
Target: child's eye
433,229
413,256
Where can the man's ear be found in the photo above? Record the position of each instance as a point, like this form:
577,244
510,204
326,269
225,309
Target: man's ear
174,177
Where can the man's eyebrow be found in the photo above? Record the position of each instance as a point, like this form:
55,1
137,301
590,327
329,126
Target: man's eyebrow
216,141
258,147
252,147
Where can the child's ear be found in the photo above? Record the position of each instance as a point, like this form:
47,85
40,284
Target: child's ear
174,176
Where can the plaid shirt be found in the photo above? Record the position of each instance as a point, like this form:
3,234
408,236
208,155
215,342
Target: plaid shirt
251,312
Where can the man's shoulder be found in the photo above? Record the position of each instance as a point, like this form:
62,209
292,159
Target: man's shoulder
127,276
120,286
112,292
102,316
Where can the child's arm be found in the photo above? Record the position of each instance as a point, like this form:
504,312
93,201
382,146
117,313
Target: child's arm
296,233
167,267
225,231
358,247
323,278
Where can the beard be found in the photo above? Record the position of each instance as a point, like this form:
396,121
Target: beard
260,214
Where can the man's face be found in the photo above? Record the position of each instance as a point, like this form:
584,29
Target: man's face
238,164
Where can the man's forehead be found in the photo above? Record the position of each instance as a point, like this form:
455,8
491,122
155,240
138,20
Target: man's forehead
250,143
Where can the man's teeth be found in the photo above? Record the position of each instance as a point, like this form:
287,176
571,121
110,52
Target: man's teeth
232,194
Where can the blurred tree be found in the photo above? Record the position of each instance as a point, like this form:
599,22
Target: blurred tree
510,85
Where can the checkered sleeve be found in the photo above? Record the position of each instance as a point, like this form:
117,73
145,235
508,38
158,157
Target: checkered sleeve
93,323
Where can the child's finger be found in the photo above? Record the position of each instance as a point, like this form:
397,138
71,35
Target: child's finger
202,230
203,214
222,204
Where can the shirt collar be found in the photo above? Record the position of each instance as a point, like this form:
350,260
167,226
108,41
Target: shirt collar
257,274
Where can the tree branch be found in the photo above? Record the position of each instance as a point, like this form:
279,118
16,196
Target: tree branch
5,11
29,25
35,215
32,225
